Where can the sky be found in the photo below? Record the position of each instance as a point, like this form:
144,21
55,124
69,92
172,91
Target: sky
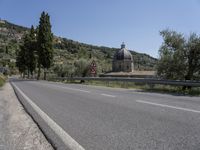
109,22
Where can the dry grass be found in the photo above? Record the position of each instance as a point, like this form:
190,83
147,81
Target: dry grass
167,89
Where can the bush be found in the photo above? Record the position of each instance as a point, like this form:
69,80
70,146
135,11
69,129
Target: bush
2,80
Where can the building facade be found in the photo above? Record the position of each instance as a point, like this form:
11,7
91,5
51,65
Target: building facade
123,60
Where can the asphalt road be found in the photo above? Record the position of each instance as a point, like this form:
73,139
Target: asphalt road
100,118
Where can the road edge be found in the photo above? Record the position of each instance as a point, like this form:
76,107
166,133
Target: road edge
67,140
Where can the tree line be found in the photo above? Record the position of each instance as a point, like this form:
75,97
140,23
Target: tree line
36,51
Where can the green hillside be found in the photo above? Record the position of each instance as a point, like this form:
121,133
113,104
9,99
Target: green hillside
67,51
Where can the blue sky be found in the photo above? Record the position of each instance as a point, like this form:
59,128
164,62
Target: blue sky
109,22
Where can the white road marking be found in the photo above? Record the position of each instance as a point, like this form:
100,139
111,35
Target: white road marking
74,89
64,136
108,95
168,106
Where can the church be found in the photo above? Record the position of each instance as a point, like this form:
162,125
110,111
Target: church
123,66
122,60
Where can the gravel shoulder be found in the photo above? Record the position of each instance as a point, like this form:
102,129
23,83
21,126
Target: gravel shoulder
17,129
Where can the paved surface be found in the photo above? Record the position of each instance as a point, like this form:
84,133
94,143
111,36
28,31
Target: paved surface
17,129
101,118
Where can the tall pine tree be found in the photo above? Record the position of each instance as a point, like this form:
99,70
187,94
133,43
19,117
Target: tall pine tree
26,58
21,60
45,44
31,48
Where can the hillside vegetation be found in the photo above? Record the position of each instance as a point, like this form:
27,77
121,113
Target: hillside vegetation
67,53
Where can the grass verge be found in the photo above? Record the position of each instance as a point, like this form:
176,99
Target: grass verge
164,89
175,90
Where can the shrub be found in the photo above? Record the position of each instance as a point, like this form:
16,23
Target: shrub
2,80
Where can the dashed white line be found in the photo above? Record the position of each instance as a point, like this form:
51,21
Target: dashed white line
64,136
64,87
71,89
108,95
168,106
76,89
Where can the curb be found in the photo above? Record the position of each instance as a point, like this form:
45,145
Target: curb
56,135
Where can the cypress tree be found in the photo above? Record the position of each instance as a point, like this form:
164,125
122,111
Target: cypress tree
26,59
31,48
20,61
45,44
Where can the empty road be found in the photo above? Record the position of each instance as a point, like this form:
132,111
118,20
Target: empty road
100,118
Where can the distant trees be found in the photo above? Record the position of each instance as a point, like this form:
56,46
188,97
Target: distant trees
179,56
37,48
66,70
81,67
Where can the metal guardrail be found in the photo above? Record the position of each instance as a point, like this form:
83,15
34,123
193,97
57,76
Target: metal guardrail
135,80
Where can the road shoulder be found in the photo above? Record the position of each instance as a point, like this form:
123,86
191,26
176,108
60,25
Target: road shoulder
17,129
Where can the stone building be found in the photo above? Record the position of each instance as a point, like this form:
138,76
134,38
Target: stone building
123,60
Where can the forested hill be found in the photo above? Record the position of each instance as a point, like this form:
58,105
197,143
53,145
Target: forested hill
66,51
